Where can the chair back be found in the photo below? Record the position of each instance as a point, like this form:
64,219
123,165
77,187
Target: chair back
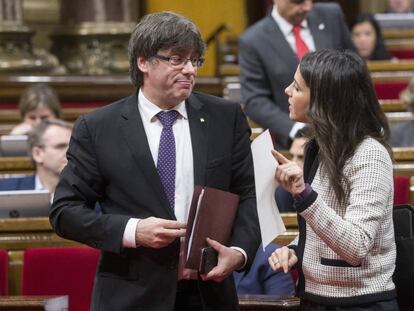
61,271
4,265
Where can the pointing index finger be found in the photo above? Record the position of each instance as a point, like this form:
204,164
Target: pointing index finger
279,157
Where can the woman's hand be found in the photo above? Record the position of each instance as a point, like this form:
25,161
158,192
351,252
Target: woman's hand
288,174
283,258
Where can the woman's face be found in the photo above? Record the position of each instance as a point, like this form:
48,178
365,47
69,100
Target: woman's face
364,38
299,98
37,115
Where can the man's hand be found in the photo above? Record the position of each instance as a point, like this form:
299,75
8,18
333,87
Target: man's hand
157,232
229,260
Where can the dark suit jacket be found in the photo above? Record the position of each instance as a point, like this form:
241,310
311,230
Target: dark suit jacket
261,279
268,64
109,161
19,183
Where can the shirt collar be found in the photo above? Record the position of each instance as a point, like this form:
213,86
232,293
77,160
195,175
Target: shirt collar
38,183
283,24
150,110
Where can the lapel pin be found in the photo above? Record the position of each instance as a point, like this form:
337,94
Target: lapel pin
321,26
202,120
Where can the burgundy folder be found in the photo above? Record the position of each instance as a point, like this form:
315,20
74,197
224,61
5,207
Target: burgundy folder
211,215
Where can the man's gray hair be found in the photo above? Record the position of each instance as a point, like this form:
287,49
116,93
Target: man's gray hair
35,137
162,30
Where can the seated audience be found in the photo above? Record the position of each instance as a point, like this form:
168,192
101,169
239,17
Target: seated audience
38,102
402,134
368,39
283,198
400,6
261,279
48,142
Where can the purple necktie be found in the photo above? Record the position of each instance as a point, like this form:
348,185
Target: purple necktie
166,154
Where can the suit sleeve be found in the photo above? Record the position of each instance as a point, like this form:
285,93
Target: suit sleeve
343,29
246,232
256,91
73,214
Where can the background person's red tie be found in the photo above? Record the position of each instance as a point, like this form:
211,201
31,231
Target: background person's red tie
301,47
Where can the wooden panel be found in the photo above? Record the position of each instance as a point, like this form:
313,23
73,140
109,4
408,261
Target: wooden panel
268,302
392,105
386,65
29,303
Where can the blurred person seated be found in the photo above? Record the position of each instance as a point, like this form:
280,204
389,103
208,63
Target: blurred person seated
402,134
283,198
48,143
261,279
38,102
367,38
400,6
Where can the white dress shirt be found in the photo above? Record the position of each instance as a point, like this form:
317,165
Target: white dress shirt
184,172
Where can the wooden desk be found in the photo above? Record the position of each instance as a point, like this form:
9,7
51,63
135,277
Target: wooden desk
16,165
267,302
31,303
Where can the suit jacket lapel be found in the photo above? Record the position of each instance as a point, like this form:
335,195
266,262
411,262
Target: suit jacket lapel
279,44
199,122
318,30
135,136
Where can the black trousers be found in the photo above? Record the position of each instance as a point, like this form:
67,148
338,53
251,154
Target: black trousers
390,305
188,296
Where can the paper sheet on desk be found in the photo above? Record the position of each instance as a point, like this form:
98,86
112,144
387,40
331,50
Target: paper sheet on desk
271,223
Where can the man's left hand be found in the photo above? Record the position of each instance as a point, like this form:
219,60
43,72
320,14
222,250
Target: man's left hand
229,260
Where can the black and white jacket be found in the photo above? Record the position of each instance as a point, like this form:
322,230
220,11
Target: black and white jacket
347,251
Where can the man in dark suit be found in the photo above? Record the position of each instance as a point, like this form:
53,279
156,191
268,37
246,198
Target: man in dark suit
268,58
123,155
48,143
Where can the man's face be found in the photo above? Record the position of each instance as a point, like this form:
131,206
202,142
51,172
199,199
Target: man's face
165,83
294,11
51,156
400,6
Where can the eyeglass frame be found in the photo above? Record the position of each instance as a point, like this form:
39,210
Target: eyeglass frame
182,61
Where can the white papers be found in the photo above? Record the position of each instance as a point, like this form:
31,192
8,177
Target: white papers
271,223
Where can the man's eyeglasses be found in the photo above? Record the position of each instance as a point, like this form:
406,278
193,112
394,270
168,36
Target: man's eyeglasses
178,61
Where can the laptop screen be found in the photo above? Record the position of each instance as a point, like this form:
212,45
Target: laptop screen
24,203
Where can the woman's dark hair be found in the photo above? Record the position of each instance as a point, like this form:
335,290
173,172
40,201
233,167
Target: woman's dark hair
380,51
343,110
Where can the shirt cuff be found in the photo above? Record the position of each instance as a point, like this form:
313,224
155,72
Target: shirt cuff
244,256
128,240
296,127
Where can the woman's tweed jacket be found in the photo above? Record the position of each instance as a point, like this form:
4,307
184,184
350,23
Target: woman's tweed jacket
347,251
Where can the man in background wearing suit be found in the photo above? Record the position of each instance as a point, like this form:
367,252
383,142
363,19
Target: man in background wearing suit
140,158
48,143
269,53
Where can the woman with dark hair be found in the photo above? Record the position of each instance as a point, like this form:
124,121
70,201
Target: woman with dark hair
345,252
367,38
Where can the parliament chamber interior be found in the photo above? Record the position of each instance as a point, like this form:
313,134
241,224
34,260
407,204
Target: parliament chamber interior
79,48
